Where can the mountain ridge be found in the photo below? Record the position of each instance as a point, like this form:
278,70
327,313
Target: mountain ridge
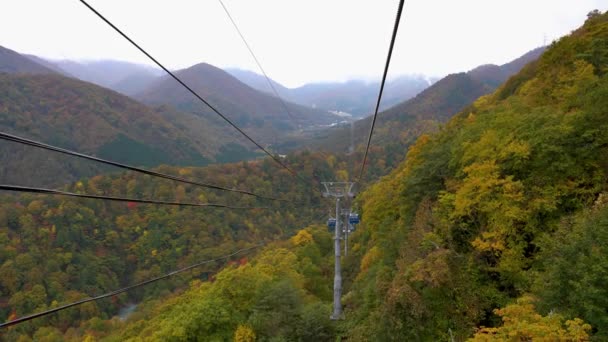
355,97
260,114
402,123
13,62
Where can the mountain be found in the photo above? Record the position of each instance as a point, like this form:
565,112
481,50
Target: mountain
353,97
85,117
12,62
258,113
494,75
124,77
403,123
359,97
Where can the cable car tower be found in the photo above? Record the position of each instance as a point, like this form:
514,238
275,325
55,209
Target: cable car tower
337,190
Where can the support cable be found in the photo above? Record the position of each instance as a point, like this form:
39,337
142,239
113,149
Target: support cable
258,63
388,62
124,289
268,80
14,138
18,188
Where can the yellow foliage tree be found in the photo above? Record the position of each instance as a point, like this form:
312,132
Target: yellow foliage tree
521,322
244,334
302,238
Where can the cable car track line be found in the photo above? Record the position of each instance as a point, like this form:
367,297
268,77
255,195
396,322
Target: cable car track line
388,62
18,188
17,139
258,63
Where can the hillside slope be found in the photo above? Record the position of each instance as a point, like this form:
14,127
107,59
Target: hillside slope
90,119
12,62
259,114
55,250
504,207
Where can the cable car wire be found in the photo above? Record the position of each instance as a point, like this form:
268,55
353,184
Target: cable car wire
215,110
268,80
388,62
124,289
42,145
19,188
258,62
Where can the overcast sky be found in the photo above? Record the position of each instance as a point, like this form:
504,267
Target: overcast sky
296,41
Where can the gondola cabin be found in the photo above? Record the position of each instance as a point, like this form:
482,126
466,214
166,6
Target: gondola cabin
353,218
331,223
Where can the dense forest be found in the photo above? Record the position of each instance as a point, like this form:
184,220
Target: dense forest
58,250
493,228
503,208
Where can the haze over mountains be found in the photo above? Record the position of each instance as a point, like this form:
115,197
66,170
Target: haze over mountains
355,97
251,109
124,77
403,123
13,62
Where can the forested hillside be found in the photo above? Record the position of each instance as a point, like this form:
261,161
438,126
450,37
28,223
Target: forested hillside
87,118
56,250
505,203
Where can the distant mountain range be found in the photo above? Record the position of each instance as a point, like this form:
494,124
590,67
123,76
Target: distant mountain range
404,122
124,77
355,97
87,118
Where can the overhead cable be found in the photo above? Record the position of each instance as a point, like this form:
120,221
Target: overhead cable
18,188
124,289
276,93
41,145
388,62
